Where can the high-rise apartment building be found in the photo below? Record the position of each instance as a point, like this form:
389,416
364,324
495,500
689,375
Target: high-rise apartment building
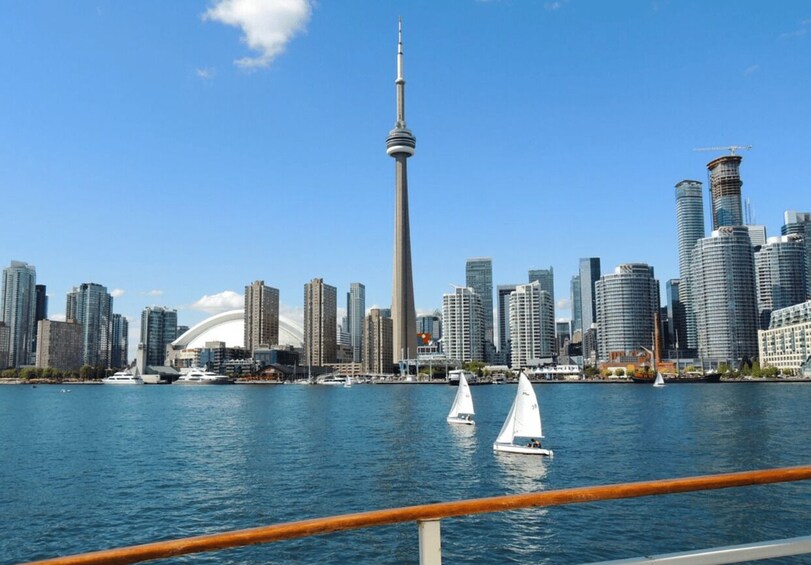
479,277
355,314
532,325
503,292
120,342
18,311
589,275
577,308
690,228
430,324
787,342
261,316
722,279
780,274
725,191
757,235
400,144
91,306
59,345
627,305
563,331
4,346
320,323
41,313
463,325
676,318
377,335
800,223
158,329
546,277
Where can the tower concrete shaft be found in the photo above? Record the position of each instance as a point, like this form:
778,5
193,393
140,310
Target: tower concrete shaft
400,145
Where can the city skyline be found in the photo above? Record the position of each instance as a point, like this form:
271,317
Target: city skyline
178,136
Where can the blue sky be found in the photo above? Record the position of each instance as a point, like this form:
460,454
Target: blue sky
176,151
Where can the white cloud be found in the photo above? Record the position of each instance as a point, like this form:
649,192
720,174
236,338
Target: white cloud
206,73
117,292
563,304
751,69
154,292
58,317
267,25
556,5
220,302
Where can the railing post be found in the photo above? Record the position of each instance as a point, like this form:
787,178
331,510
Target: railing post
430,542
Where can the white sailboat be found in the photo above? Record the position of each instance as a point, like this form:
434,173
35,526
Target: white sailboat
462,409
660,380
523,423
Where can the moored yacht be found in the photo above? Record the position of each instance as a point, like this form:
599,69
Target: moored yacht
198,376
123,378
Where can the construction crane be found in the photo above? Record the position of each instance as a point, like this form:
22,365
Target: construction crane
731,148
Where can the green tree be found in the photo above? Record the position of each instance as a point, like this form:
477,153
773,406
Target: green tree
86,372
756,370
619,372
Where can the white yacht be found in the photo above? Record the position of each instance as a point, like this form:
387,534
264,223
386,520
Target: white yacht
199,376
123,378
333,379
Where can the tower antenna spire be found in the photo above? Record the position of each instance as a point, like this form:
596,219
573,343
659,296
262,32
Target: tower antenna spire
400,82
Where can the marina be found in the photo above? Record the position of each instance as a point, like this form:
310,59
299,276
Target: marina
256,465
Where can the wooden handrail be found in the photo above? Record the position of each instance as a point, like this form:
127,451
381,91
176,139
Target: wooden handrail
319,526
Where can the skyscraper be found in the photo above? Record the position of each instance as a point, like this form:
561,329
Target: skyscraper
479,277
60,345
120,342
400,144
91,305
532,325
462,325
780,275
377,343
676,317
690,228
320,323
577,308
722,278
800,223
355,313
547,279
261,316
725,191
503,292
18,311
589,275
627,304
41,314
158,329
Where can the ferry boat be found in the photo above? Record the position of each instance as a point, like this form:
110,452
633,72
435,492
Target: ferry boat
198,376
124,377
454,375
332,380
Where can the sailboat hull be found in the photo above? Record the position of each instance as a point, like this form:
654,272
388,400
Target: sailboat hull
523,449
460,420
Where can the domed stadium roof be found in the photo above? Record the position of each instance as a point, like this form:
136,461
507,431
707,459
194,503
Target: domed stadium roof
229,327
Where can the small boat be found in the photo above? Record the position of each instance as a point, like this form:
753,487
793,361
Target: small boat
199,376
455,375
660,380
523,422
124,377
348,382
332,380
462,409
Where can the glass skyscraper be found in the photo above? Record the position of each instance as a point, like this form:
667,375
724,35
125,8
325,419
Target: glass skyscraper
356,313
690,228
479,277
780,274
800,223
158,329
91,305
725,190
18,311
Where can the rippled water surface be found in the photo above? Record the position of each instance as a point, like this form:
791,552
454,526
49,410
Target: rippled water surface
106,466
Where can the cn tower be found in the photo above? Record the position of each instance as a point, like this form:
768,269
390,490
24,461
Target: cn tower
400,144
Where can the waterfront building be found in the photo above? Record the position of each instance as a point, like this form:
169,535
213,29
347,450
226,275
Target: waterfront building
59,345
676,318
91,306
158,329
4,345
589,275
786,344
503,292
18,304
377,337
577,310
479,277
562,337
356,313
690,228
320,323
546,277
400,144
780,274
216,356
800,223
532,325
429,328
120,342
40,314
261,316
627,304
463,325
725,191
723,289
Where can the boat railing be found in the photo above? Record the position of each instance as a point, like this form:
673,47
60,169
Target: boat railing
428,517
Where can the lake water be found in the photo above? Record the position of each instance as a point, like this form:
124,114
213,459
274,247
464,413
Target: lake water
107,466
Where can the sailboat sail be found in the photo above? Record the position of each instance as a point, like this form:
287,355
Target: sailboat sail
524,419
660,380
463,402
